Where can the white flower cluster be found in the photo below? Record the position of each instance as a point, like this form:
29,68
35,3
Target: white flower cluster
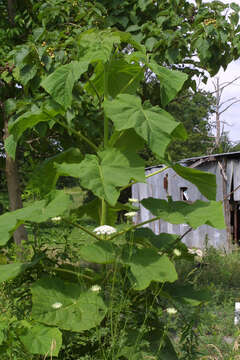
130,214
131,200
104,230
57,305
177,252
196,252
96,288
57,218
171,311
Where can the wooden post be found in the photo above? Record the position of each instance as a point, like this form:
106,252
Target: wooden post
226,205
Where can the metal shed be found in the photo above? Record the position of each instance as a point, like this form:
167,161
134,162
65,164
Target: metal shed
226,167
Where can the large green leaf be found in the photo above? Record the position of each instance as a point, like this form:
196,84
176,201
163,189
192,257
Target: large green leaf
27,73
153,124
171,81
42,340
127,141
205,181
10,271
103,175
101,252
98,45
45,175
66,305
38,212
27,121
186,294
115,78
179,212
60,83
147,266
162,241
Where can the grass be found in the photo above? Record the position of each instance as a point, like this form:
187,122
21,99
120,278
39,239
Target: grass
217,336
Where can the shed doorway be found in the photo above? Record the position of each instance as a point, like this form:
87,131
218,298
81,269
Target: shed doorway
235,222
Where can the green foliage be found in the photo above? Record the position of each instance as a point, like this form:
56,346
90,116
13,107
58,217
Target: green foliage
205,182
193,110
179,212
105,173
38,212
151,123
146,266
60,83
82,68
66,305
43,340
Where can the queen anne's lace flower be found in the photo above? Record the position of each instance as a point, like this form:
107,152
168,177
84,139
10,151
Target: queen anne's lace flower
133,200
96,288
196,252
191,251
171,311
199,253
177,252
130,214
104,230
57,305
57,218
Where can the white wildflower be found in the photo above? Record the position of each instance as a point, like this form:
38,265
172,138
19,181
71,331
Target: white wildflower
57,305
130,214
133,200
171,311
196,252
96,288
199,253
177,252
57,218
192,251
104,230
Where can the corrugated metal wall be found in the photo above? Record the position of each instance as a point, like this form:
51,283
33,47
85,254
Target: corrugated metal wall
155,188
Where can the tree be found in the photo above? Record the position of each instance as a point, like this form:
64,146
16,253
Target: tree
221,107
193,110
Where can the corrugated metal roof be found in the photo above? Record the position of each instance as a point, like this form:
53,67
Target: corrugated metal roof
193,159
230,154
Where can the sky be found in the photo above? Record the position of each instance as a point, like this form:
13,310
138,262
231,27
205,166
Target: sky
231,117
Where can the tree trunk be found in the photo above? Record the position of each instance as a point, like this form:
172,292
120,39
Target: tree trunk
14,192
218,123
11,11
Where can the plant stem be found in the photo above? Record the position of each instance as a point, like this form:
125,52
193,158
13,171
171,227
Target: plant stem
105,139
135,226
104,212
83,229
68,271
148,176
78,134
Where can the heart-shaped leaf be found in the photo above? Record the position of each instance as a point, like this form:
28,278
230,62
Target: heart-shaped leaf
66,305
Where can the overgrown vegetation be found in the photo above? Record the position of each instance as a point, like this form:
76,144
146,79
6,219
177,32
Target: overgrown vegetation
75,101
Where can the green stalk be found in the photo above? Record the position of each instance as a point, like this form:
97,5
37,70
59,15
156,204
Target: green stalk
83,229
148,176
50,268
104,212
105,143
78,134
